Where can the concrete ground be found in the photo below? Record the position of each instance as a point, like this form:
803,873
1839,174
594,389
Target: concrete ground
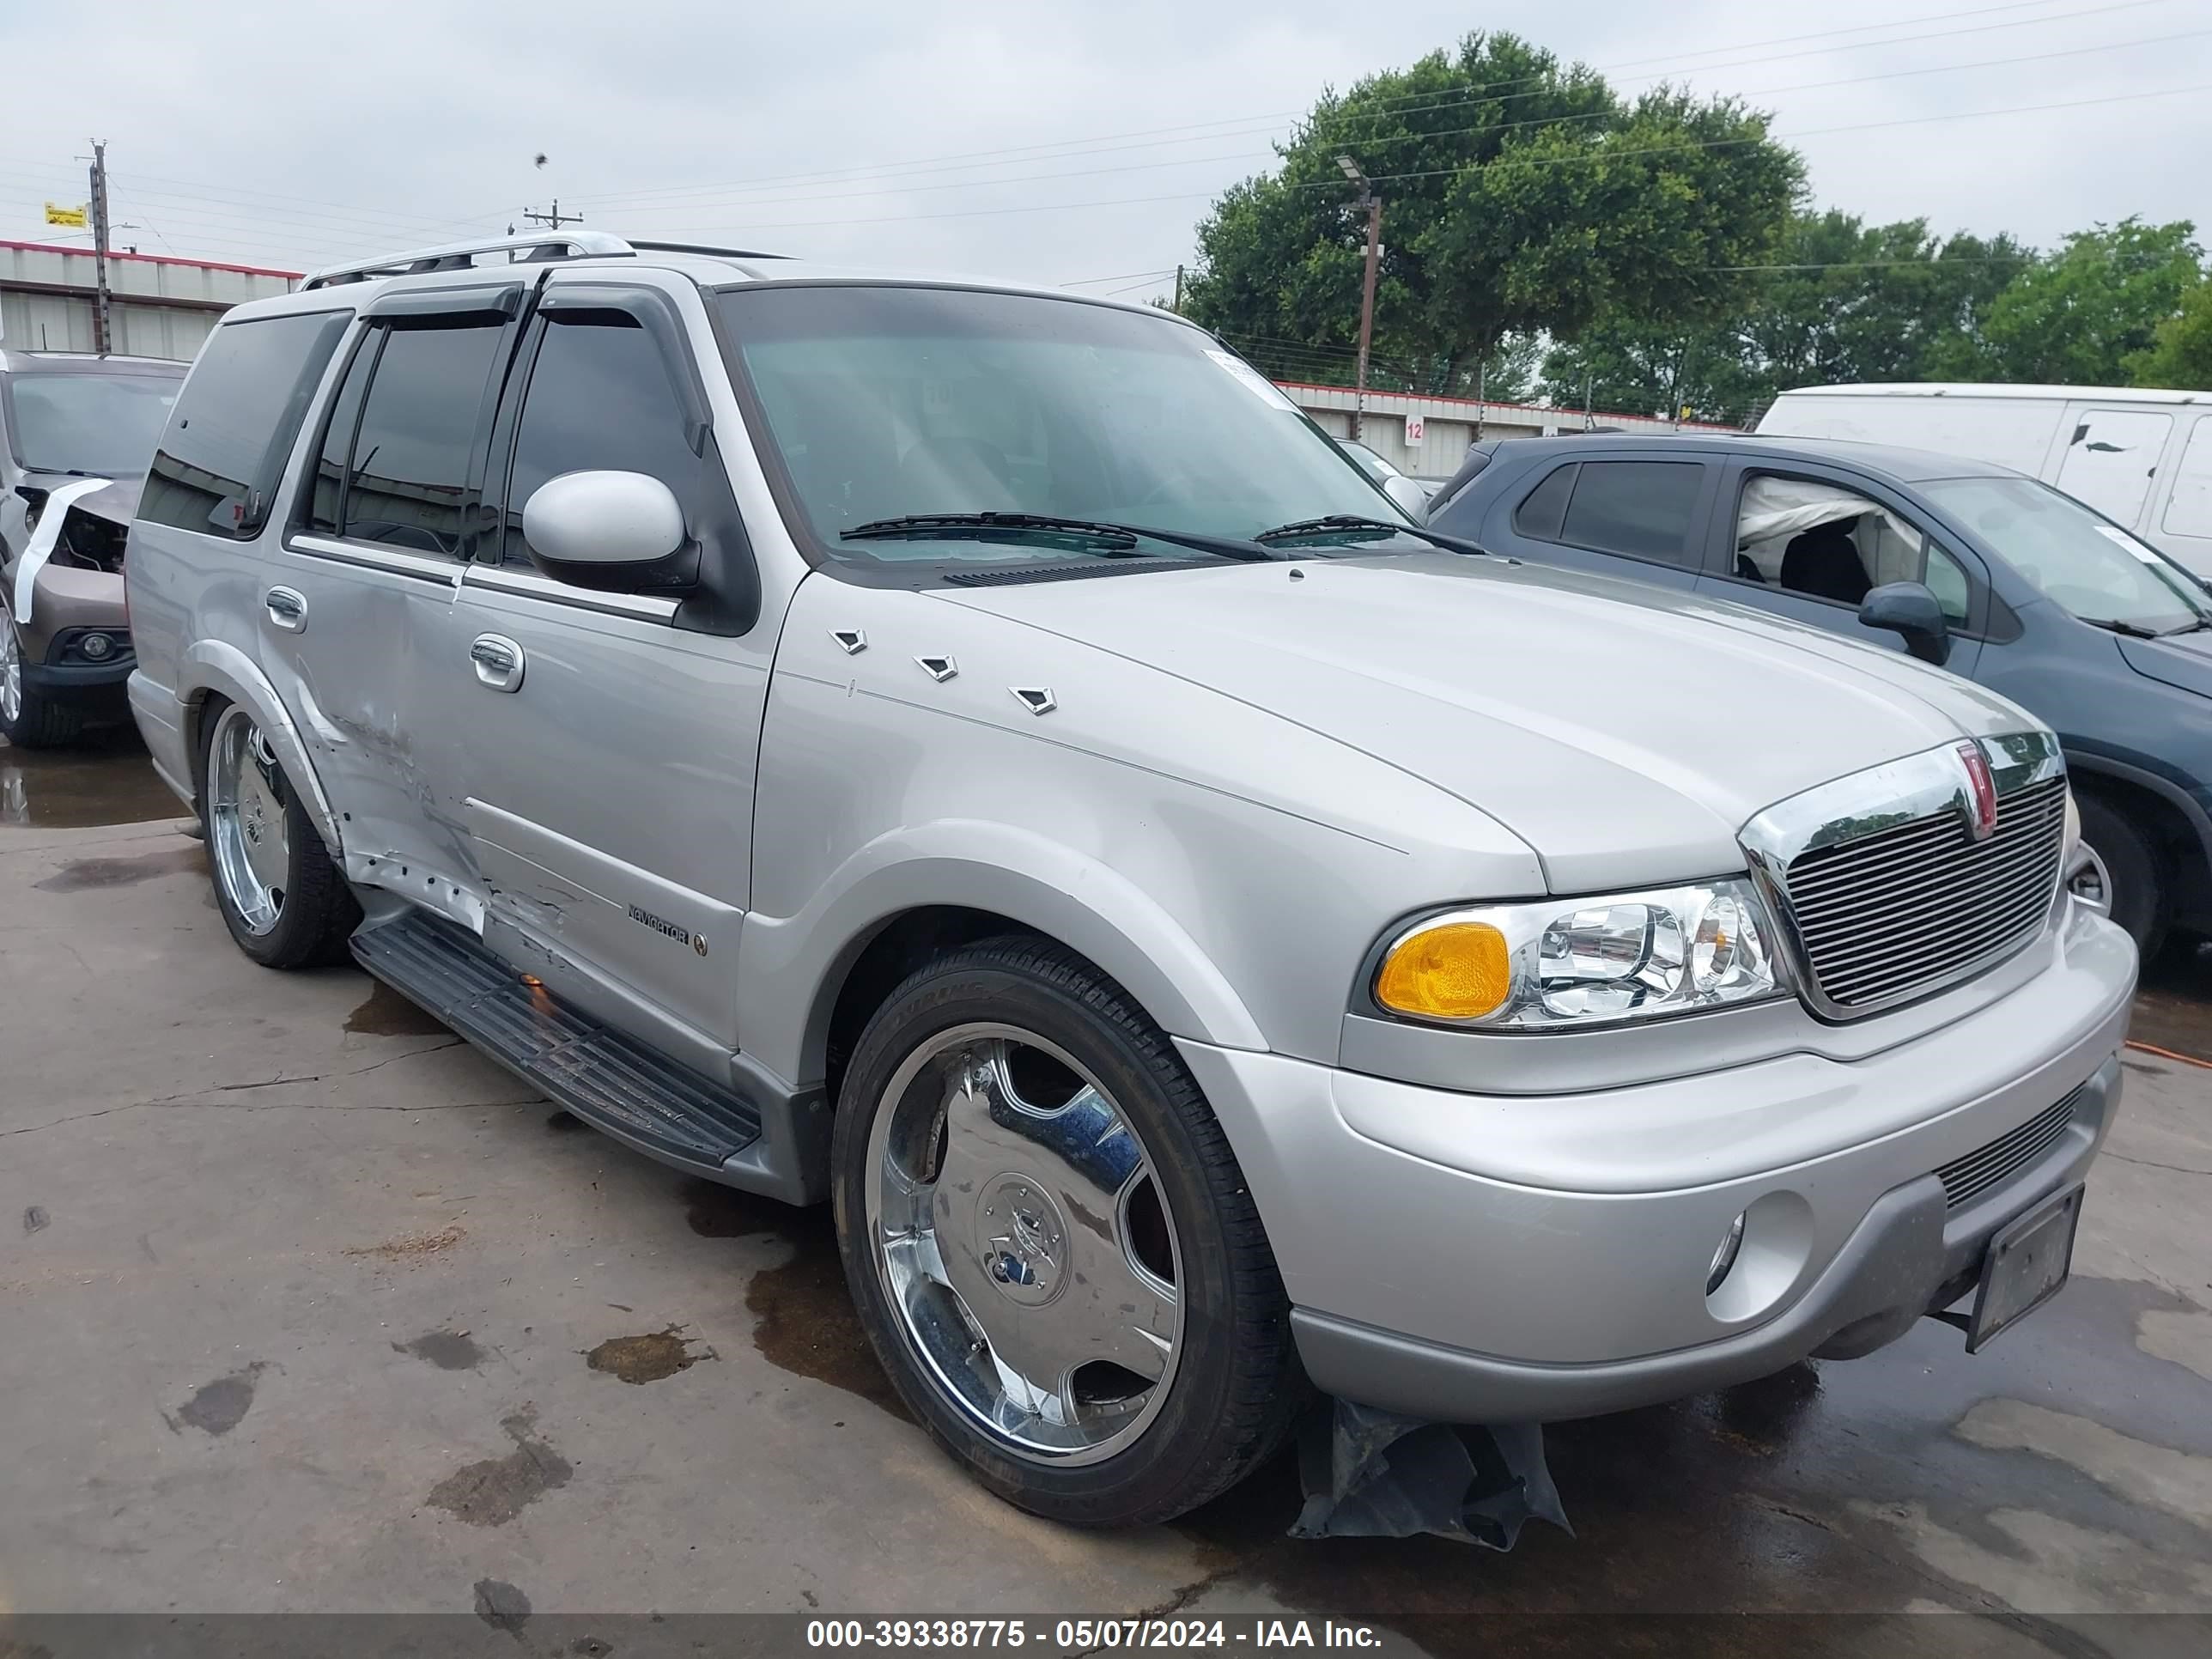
303,1306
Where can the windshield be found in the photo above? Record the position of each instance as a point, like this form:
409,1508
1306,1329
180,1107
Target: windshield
97,424
887,401
2091,567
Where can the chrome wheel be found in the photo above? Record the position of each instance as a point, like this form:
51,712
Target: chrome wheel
1022,1239
246,823
11,673
2089,882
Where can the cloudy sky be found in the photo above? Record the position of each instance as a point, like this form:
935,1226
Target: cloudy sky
1071,143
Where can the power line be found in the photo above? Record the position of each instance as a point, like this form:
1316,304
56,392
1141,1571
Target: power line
1370,144
974,159
1807,132
1614,155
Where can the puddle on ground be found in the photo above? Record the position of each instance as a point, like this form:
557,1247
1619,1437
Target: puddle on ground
449,1350
803,1316
82,875
385,1012
492,1492
646,1359
105,778
1757,1500
218,1407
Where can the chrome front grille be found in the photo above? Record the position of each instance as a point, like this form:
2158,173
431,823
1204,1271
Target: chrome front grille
1883,916
1965,1178
1893,883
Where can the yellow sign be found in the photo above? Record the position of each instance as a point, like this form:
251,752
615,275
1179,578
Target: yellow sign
75,218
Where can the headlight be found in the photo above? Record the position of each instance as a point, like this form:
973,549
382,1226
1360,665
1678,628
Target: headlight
1583,962
2073,828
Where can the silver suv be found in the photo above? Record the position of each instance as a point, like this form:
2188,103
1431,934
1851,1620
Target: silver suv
983,759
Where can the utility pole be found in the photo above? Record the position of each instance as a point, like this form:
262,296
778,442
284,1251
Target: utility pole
554,218
1178,298
103,339
1373,203
1481,373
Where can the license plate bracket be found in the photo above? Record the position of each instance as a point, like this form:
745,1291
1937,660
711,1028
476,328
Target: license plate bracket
2024,1266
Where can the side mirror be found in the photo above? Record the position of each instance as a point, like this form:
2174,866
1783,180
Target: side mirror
617,532
1910,609
1408,493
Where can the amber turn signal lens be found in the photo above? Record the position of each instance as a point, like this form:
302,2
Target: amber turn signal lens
1458,970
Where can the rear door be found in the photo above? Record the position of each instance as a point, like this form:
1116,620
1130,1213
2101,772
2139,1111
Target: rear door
1630,515
2181,514
598,751
363,581
1890,539
2110,459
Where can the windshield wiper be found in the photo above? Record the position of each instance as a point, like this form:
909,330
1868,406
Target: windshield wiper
2119,625
1116,539
1353,524
2196,627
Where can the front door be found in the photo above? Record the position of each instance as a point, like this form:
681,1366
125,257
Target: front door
601,754
1811,545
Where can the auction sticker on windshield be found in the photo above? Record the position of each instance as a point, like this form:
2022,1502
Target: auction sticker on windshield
1252,380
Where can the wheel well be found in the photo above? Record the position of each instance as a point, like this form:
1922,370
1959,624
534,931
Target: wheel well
899,947
2171,835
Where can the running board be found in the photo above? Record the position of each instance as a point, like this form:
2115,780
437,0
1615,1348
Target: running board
610,1081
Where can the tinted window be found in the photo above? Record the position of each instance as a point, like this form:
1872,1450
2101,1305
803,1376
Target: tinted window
326,508
1543,506
407,479
599,399
233,424
1641,508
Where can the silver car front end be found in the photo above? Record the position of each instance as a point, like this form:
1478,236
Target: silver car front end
1588,1221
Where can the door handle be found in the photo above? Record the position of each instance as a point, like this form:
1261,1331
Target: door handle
498,662
288,609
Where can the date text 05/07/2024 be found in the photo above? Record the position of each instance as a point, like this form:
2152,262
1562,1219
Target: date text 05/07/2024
1089,1635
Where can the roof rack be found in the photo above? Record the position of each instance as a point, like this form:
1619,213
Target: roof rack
536,249
706,248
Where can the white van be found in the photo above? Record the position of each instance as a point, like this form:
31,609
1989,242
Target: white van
2142,459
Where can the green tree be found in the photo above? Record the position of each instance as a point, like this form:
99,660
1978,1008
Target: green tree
2179,357
2076,317
1521,197
1841,302
1853,301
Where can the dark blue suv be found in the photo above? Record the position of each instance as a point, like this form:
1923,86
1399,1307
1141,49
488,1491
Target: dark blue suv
1992,575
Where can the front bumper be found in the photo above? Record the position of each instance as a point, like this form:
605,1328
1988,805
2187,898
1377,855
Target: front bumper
1425,1281
68,604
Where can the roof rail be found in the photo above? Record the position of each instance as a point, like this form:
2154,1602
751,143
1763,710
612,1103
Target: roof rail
460,256
701,247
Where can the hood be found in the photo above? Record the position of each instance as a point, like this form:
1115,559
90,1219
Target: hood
2185,660
1624,732
117,503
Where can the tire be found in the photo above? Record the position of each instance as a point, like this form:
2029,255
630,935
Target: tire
27,720
2142,901
285,902
1050,1052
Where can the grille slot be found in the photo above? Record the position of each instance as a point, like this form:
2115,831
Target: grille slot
1908,907
1965,1178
